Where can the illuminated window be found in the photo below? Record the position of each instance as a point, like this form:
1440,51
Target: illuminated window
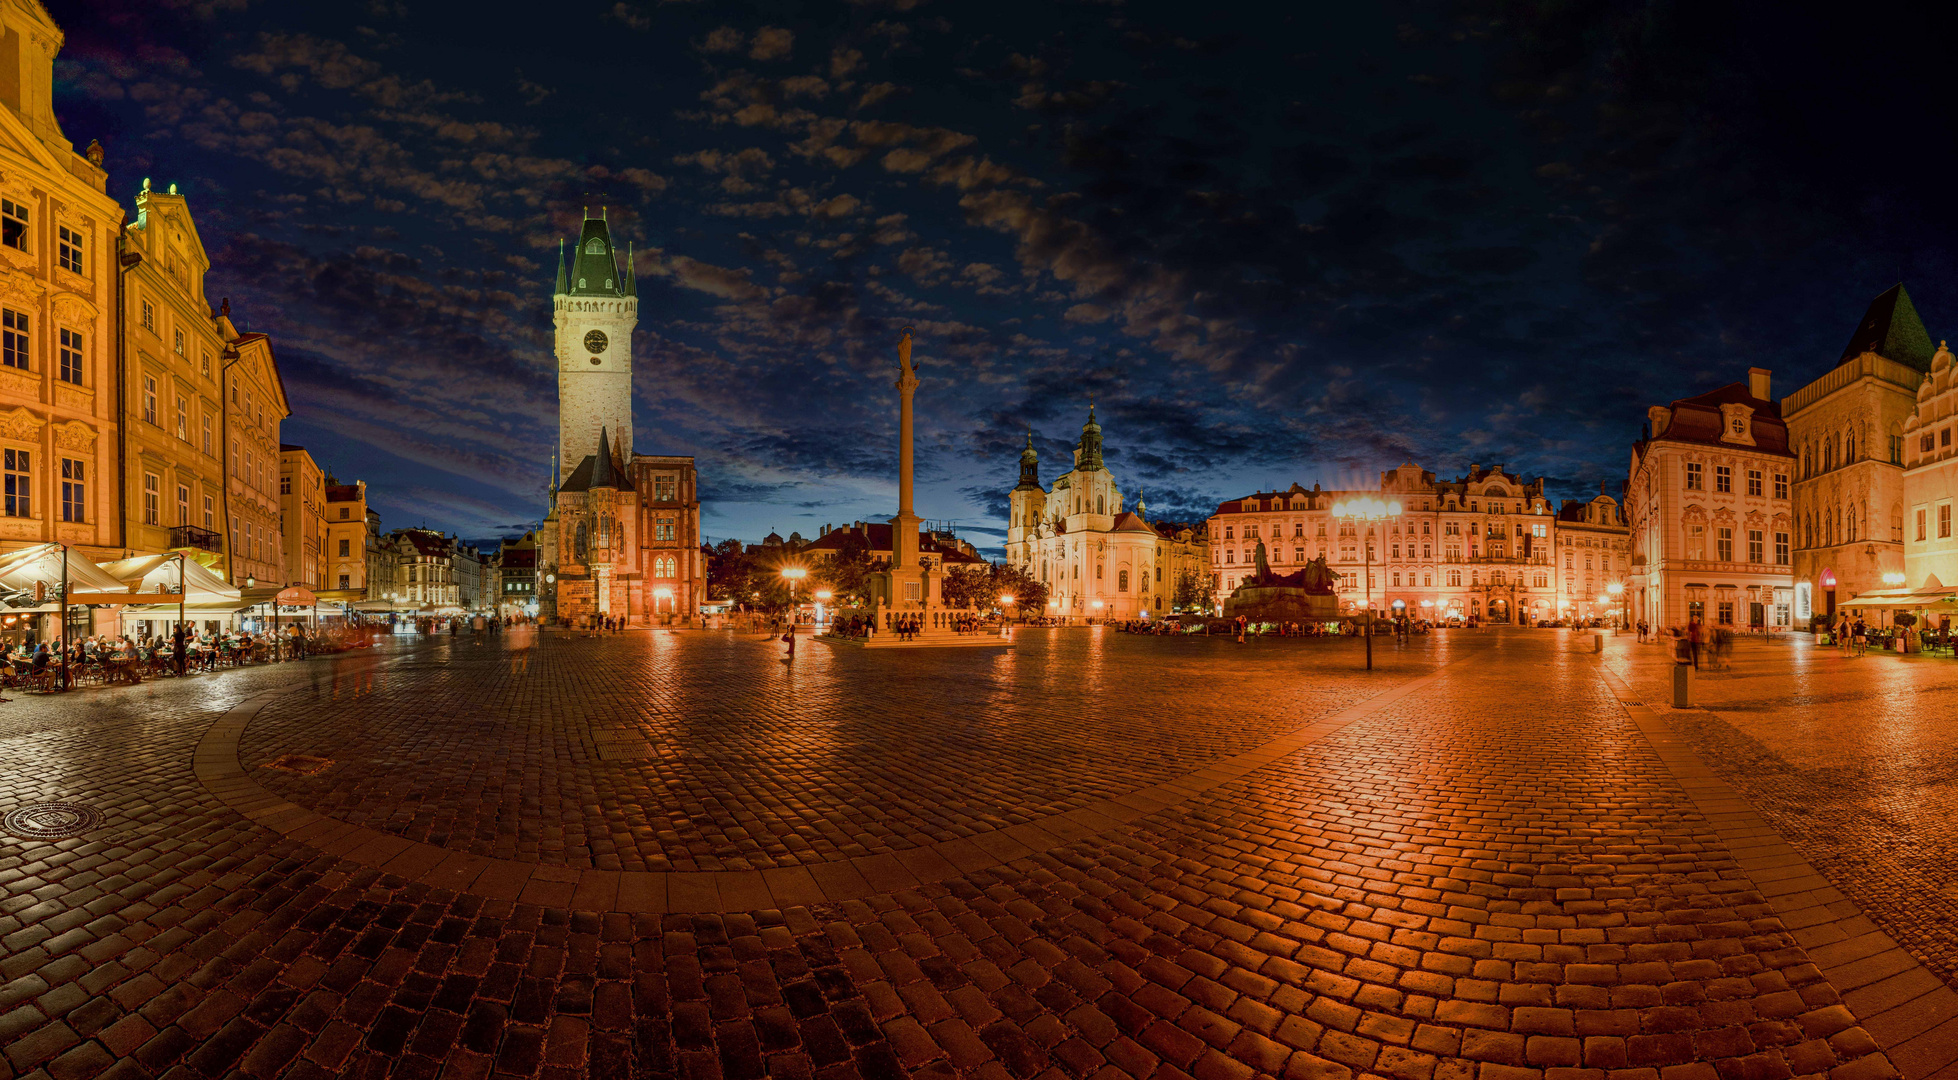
74,493
13,224
1695,476
152,498
68,249
70,368
15,346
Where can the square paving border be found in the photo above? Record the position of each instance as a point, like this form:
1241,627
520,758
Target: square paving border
1910,1012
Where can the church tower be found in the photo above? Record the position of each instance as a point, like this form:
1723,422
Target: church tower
594,308
1025,505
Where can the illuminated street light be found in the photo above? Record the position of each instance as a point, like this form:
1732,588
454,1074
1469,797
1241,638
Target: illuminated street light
793,574
1368,510
1893,577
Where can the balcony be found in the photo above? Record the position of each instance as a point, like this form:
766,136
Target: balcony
190,536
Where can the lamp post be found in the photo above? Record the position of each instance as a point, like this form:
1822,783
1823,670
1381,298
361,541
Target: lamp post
822,597
1368,511
793,574
1617,591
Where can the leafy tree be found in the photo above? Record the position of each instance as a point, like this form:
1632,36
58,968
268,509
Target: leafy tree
847,572
967,587
727,570
1194,592
1028,593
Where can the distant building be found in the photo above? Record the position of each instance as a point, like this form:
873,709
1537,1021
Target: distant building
942,545
516,569
424,568
1478,547
467,565
1847,432
302,517
1931,479
1593,543
1708,502
382,573
1098,559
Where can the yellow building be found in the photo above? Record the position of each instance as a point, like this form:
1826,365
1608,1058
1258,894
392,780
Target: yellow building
58,230
255,404
345,576
302,518
173,485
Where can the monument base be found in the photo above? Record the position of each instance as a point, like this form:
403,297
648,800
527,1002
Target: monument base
1281,604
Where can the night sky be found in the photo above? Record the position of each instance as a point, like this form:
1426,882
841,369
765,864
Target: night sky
1271,242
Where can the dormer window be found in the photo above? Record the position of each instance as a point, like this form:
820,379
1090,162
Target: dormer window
595,246
1737,424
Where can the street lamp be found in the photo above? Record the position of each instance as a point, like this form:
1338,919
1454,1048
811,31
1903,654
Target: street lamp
1617,591
793,574
1367,510
822,597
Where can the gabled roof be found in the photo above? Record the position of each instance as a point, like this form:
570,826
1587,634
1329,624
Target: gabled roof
1130,521
600,470
1892,330
1698,419
343,493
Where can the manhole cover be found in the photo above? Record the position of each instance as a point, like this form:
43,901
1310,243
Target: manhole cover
50,821
303,764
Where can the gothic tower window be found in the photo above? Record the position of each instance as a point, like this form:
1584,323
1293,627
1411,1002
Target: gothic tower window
581,545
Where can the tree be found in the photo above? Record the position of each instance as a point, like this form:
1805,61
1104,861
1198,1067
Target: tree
1194,592
727,570
967,587
846,573
1029,594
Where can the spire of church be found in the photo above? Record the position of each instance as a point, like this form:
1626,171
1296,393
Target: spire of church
1030,465
631,280
602,474
1141,505
1090,442
561,289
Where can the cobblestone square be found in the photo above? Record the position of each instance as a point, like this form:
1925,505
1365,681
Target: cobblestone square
669,854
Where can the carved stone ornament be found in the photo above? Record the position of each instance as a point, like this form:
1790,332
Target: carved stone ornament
74,435
74,398
73,309
18,285
19,385
21,425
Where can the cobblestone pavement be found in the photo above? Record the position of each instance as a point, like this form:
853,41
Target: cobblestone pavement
1854,760
1484,871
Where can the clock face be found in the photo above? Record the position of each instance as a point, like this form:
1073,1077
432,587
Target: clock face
596,341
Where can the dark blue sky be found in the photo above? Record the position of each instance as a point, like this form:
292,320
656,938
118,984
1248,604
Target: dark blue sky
1272,242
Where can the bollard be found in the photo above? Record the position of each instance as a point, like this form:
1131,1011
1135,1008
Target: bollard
1597,643
1682,686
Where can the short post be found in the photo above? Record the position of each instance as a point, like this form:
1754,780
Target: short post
1597,643
1682,674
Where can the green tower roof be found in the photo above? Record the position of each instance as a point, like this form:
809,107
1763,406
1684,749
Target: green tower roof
1892,330
594,267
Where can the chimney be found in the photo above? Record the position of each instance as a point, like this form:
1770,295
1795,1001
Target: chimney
1658,416
1757,382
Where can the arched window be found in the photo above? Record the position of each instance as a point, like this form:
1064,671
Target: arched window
581,546
1122,581
1159,577
1101,505
595,246
1849,526
1097,571
1849,449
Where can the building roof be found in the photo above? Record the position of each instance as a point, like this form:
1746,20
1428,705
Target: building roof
518,558
600,470
1130,521
427,543
1698,419
594,264
877,537
343,493
1891,329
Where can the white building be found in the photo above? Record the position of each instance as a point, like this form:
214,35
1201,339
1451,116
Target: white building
1708,504
1098,559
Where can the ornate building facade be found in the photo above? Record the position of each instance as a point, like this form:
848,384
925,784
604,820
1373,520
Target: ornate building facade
1473,548
1098,559
622,536
1593,547
1847,431
1708,502
1931,478
58,267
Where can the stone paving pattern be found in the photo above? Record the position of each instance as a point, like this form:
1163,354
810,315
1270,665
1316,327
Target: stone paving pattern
1492,878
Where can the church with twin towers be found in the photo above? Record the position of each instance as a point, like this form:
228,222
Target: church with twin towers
621,538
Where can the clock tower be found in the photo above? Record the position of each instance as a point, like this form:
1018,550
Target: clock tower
594,308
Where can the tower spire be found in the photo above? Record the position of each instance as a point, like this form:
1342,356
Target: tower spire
562,285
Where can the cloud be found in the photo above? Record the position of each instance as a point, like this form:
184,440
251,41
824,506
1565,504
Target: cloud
772,43
723,39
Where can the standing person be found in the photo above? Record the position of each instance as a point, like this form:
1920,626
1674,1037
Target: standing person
179,647
1842,635
1860,635
1693,635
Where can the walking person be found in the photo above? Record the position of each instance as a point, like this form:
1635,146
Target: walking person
1694,633
1860,635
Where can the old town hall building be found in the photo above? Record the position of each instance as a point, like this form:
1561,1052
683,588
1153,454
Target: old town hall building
622,537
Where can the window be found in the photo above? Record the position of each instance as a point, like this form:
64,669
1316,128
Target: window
1754,481
13,224
1724,542
1726,613
19,481
209,513
15,347
285,485
345,546
1781,485
183,418
1926,443
1298,555
1944,520
1455,578
207,365
74,493
179,341
1755,547
1781,549
1230,532
149,398
1397,581
1122,581
665,489
1723,478
152,497
1695,542
1695,476
1920,524
343,581
1944,437
183,504
207,434
70,368
68,249
149,316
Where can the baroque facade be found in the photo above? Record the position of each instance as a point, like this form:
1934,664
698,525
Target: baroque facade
302,518
1477,547
1098,559
622,535
1931,478
1595,555
1847,430
58,265
1709,505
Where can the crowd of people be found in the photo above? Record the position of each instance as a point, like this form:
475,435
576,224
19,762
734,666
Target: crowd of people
105,658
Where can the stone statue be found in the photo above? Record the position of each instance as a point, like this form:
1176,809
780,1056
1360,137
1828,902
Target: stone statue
1317,579
1264,568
